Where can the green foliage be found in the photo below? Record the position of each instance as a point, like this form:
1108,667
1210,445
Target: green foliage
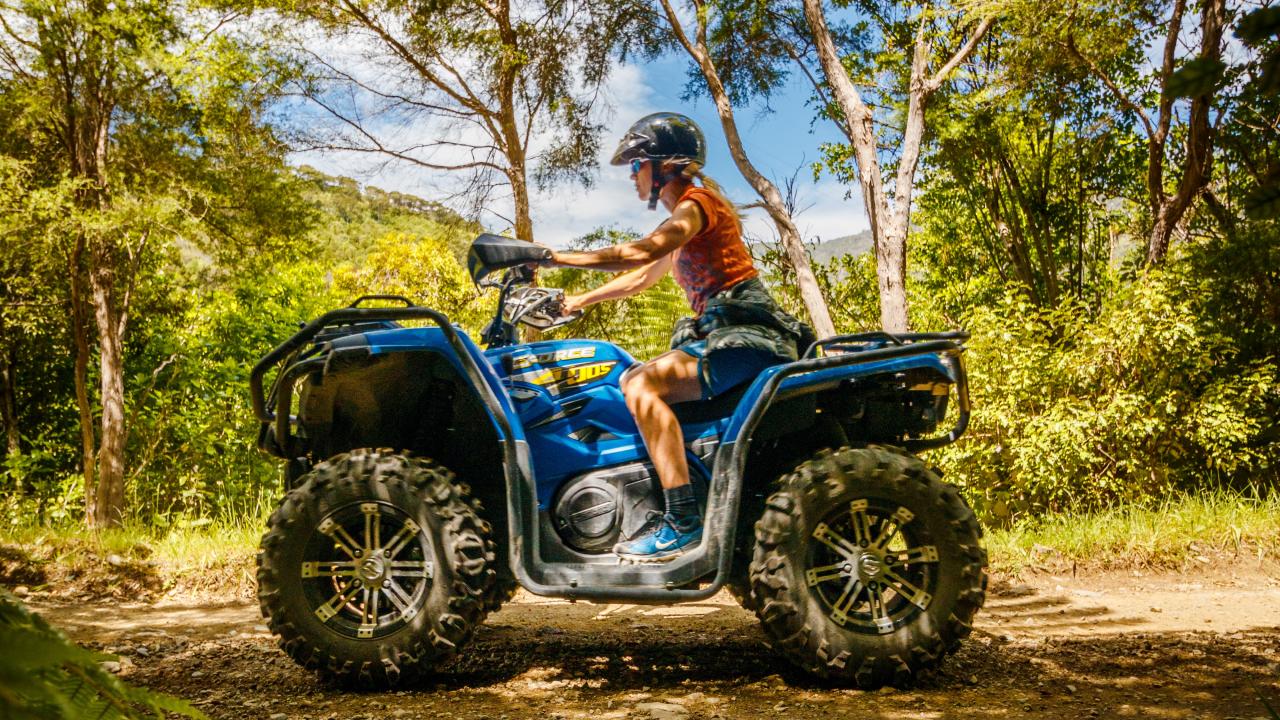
44,676
848,283
1261,28
193,441
1030,180
1200,76
349,219
1165,532
1159,391
424,270
203,321
1251,143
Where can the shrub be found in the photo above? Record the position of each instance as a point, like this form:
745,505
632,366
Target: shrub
1162,390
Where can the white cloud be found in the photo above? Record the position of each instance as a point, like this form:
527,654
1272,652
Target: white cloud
566,211
563,213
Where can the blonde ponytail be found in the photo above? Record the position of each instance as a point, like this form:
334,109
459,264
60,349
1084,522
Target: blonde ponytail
693,171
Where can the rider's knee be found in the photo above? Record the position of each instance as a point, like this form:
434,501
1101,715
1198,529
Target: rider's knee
637,386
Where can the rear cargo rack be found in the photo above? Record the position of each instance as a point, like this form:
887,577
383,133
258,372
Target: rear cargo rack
880,338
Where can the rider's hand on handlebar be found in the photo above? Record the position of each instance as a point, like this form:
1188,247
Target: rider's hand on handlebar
548,261
572,304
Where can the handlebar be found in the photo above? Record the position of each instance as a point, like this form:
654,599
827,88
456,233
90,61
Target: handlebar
539,307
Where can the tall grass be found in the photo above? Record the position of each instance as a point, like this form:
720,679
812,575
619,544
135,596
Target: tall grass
215,558
193,557
1166,534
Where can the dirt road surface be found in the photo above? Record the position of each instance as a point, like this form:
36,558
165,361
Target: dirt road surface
1112,646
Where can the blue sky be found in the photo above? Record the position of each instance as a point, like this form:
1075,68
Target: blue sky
777,142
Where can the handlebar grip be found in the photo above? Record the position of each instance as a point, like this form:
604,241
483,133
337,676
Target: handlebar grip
397,298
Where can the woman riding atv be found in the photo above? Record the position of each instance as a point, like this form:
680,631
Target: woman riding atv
737,329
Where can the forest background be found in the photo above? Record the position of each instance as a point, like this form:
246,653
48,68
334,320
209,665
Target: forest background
1090,189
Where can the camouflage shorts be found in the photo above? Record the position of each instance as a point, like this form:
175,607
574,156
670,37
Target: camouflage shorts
741,332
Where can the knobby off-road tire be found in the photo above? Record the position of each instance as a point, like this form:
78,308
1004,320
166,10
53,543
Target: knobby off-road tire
814,581
437,552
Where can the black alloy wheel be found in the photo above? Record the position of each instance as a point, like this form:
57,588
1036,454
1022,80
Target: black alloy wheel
359,585
376,568
867,567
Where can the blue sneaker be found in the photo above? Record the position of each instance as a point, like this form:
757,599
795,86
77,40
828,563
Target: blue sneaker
664,540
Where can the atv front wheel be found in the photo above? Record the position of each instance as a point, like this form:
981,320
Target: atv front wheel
375,568
867,567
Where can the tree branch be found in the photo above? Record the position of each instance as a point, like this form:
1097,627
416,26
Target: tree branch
342,76
376,145
1115,90
469,100
674,21
1167,67
961,55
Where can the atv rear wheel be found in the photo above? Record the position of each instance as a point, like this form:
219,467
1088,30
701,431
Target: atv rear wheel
867,567
375,568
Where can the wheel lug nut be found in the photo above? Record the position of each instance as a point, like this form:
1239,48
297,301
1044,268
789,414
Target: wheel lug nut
358,553
386,583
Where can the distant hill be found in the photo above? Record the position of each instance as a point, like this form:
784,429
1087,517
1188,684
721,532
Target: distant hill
855,245
352,216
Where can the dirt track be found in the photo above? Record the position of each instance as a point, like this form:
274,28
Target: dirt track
1106,646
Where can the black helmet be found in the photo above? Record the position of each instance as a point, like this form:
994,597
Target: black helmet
662,136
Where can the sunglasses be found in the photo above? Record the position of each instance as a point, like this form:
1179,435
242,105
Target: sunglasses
636,164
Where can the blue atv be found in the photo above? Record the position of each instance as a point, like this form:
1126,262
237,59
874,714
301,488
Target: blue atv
427,479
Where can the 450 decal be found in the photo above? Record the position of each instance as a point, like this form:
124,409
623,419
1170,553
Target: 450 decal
556,379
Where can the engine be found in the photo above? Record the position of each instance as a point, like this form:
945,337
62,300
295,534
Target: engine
594,511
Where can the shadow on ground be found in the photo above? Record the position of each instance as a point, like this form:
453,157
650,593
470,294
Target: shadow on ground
548,659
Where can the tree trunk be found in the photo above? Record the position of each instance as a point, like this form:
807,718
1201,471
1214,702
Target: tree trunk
512,142
520,191
110,322
1197,165
797,256
891,277
1161,233
79,334
859,129
889,228
9,405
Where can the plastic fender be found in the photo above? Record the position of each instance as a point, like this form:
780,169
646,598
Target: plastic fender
433,339
821,378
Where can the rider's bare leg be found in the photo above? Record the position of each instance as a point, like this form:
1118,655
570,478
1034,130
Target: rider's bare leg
650,389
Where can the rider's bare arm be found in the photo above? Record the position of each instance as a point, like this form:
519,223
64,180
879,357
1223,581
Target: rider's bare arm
685,222
624,285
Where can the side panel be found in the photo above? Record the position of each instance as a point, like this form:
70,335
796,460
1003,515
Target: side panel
567,396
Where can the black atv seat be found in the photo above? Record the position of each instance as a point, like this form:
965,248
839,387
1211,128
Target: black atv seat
722,405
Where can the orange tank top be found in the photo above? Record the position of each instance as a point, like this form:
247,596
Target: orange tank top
715,258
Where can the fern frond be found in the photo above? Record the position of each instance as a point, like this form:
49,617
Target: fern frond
44,675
